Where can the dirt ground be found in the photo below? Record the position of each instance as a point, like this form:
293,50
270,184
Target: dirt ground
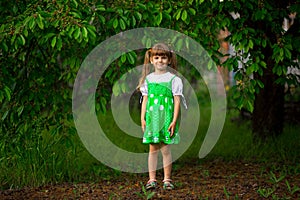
211,180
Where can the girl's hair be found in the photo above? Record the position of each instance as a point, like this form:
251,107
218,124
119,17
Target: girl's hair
158,49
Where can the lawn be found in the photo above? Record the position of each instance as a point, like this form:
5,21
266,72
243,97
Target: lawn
59,167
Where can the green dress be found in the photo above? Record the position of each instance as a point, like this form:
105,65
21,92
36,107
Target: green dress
159,114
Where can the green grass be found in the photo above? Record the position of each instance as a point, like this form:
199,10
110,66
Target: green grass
45,157
237,142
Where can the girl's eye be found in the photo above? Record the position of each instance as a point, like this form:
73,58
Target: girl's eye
162,57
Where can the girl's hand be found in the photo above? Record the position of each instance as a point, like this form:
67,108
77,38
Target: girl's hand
143,124
171,128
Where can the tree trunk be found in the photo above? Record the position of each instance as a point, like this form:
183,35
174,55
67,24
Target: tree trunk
268,114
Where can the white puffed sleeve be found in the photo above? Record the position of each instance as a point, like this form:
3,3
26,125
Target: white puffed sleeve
177,86
177,89
144,89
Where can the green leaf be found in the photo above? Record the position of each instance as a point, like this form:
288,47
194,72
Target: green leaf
56,23
2,27
59,43
19,42
184,15
22,40
210,64
277,70
75,3
100,7
75,15
122,24
260,71
7,92
123,87
131,58
192,11
263,64
249,106
91,30
281,52
288,53
178,14
237,93
159,18
260,83
138,16
4,115
179,44
102,19
133,20
142,6
167,16
20,110
239,102
250,44
84,32
31,23
103,103
40,21
76,33
70,31
249,70
238,76
13,41
116,89
148,43
4,46
115,23
25,31
53,42
123,58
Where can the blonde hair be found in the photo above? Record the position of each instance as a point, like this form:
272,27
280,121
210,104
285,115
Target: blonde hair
159,49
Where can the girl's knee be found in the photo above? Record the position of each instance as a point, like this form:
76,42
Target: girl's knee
154,148
165,150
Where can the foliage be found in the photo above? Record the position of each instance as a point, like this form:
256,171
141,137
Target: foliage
145,194
257,30
43,43
62,158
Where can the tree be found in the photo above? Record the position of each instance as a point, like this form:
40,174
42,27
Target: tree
259,32
44,42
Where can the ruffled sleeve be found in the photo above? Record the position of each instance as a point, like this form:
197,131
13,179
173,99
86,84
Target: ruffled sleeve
177,89
144,89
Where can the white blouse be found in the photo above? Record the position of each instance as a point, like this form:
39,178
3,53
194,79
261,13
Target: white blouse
177,86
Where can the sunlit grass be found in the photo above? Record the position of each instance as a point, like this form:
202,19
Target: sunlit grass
237,142
46,157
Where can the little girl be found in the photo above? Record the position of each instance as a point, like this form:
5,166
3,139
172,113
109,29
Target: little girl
161,92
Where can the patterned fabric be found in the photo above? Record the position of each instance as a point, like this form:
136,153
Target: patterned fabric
159,114
177,86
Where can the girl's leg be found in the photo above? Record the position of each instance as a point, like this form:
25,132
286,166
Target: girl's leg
152,160
167,161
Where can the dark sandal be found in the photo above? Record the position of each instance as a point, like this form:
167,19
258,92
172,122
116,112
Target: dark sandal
168,185
151,184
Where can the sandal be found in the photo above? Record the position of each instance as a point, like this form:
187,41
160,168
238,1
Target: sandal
168,185
151,184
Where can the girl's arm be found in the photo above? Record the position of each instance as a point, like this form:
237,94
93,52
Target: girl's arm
175,115
143,112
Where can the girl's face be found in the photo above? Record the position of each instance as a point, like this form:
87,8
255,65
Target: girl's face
160,62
